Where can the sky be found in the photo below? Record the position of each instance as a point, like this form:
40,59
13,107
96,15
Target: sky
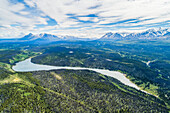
81,18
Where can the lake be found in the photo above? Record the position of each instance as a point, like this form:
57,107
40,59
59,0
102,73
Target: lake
28,66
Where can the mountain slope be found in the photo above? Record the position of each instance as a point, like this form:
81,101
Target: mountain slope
46,38
148,34
40,37
68,90
110,36
75,91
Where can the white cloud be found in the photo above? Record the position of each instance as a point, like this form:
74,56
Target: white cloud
108,11
15,20
14,32
30,3
83,33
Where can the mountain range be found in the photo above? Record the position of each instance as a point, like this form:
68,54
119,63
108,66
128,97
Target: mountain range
151,34
49,38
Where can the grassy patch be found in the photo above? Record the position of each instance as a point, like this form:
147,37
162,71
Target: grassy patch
11,79
27,94
56,75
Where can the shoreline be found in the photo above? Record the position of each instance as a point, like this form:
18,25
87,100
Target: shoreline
28,66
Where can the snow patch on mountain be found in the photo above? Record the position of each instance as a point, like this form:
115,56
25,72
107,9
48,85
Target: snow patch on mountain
148,34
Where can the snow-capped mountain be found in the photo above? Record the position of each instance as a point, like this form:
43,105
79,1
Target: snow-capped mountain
110,36
73,38
151,34
167,34
46,38
148,34
40,37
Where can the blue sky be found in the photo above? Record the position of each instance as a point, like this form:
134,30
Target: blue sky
82,18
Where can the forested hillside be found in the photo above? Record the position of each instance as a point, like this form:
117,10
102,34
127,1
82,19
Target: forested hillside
79,91
73,91
121,56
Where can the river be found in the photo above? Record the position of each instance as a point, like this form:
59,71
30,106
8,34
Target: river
28,66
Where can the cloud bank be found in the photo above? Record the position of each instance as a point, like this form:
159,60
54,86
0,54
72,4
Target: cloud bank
83,18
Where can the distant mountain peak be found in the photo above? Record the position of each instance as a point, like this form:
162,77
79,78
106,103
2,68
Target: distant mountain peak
148,34
109,33
30,34
110,36
46,38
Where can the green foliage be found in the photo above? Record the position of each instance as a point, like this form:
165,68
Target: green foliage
5,70
96,92
129,58
86,91
13,56
21,98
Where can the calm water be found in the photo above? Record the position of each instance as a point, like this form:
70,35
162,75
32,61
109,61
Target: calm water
27,66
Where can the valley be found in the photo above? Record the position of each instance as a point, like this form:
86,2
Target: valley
28,66
84,56
77,89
